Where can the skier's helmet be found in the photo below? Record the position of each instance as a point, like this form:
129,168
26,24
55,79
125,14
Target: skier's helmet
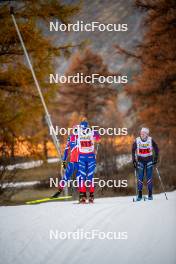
84,124
145,130
84,127
144,133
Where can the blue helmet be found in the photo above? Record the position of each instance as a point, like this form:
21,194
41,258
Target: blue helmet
84,124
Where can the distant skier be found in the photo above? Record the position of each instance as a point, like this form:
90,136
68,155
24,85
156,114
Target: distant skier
87,160
72,166
144,155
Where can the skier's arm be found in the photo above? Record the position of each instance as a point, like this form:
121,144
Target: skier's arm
156,149
134,147
64,158
96,137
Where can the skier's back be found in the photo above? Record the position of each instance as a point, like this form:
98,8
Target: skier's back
87,159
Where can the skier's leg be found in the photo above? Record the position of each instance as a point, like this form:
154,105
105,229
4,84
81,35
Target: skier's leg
68,173
77,172
90,175
82,177
140,176
149,175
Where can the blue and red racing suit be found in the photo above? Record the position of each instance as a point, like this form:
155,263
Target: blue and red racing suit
73,164
87,158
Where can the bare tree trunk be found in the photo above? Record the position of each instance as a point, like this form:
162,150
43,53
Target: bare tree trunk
12,149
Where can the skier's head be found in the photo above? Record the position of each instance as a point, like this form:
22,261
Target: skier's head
144,133
84,127
84,124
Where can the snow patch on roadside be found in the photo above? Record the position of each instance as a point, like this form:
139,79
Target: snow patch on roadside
29,164
19,184
123,160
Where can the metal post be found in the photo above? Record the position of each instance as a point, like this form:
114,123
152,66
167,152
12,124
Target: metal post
47,115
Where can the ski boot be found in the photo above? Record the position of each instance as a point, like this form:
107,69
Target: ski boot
150,196
139,198
91,197
55,195
82,197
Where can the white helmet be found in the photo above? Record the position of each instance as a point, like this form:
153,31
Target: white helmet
145,130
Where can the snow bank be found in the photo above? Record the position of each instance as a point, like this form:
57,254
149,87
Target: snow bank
29,164
19,184
121,161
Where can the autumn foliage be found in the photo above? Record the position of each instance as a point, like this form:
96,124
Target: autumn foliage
153,90
91,100
21,112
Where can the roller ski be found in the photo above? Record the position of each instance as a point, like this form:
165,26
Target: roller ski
91,198
150,197
139,197
82,198
49,199
57,194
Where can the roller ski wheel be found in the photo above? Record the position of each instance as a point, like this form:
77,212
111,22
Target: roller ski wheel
82,198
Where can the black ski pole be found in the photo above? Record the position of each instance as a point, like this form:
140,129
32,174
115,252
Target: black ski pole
135,176
161,182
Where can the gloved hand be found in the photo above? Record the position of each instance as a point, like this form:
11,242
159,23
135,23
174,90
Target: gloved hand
64,164
155,161
135,163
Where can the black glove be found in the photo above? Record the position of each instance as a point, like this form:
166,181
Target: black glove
64,164
135,164
155,161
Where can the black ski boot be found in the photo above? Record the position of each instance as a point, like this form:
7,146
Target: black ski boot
55,195
82,197
150,196
91,197
139,198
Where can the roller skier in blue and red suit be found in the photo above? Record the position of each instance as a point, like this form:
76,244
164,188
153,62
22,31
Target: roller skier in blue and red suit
72,166
80,144
144,155
87,160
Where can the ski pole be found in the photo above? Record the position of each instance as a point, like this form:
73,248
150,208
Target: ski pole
161,182
97,150
47,116
135,176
